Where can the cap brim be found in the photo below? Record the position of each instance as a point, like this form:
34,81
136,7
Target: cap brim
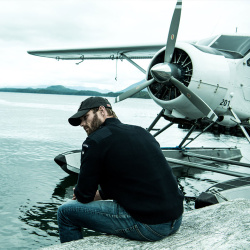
75,120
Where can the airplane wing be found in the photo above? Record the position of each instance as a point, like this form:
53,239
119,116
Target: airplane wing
132,52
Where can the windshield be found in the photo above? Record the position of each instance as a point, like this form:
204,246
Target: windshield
206,41
238,44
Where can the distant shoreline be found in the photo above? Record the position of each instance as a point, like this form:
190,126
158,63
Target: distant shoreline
61,90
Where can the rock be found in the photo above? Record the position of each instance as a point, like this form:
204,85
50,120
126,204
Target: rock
222,226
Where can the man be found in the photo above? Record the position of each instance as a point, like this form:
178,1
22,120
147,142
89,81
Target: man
140,195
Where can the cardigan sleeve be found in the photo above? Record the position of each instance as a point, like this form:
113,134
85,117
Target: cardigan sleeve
89,175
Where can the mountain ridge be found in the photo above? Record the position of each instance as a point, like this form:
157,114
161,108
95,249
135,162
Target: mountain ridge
62,90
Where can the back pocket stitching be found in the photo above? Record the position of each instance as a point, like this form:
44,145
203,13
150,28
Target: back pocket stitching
131,229
152,231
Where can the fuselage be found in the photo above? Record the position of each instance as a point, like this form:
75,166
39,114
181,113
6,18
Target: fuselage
219,76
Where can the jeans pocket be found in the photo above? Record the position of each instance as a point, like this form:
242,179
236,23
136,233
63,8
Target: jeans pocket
132,233
158,231
176,225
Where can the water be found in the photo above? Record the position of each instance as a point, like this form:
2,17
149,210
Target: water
34,129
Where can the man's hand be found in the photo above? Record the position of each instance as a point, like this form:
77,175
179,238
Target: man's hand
96,198
74,196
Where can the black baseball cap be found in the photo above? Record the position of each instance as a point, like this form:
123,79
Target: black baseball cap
86,106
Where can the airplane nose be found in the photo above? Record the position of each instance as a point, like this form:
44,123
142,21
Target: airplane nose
162,72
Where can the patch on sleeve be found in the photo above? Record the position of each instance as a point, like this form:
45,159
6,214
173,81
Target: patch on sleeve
100,134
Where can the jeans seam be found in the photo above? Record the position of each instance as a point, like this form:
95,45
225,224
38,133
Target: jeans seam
173,223
136,228
89,211
153,231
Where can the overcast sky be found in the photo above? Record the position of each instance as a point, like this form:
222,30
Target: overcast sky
53,24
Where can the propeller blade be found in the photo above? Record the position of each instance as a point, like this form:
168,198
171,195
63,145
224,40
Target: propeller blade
173,30
196,100
133,91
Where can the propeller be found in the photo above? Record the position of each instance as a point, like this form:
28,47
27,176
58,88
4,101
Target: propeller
172,34
133,91
163,73
195,99
174,26
167,73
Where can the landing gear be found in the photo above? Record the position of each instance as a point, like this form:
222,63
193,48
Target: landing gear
199,158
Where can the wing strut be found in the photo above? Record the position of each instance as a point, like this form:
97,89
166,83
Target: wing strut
132,62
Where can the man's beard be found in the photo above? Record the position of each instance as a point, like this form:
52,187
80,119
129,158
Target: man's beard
95,124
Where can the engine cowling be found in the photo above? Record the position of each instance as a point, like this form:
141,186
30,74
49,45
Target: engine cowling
183,73
206,74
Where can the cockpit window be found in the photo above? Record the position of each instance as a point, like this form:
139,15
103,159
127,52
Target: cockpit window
248,62
206,41
234,44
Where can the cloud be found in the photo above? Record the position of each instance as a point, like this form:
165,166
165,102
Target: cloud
52,24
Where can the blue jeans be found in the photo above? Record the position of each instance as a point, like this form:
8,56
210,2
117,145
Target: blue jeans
109,217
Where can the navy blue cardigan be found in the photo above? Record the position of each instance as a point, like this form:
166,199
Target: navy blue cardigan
128,164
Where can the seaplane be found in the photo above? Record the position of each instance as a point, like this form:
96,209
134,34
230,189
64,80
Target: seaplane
193,82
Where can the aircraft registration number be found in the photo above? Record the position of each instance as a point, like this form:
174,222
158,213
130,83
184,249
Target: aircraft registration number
225,103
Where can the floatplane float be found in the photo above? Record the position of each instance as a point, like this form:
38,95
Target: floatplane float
192,82
181,161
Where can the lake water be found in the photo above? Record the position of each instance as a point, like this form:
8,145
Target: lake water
34,129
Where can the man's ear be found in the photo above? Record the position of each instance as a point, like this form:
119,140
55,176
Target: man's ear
103,111
101,108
